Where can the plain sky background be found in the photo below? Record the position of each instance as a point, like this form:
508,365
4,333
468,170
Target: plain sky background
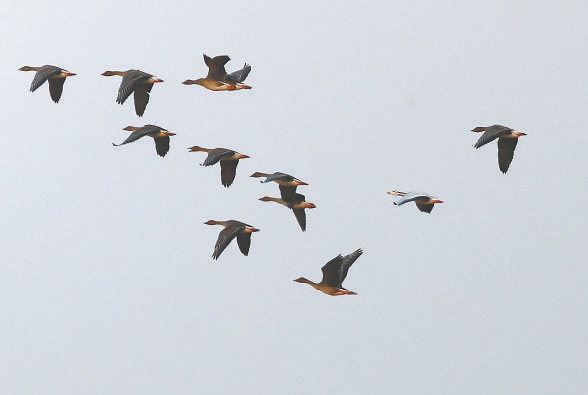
106,280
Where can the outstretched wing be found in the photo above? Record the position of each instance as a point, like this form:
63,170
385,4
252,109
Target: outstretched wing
491,134
216,67
161,145
410,197
224,239
332,273
228,171
347,262
301,218
244,241
141,96
424,206
217,154
44,73
506,148
56,88
238,76
288,193
136,135
130,81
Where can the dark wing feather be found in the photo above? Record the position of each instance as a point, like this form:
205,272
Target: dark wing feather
216,67
332,274
279,176
161,145
224,239
506,148
493,132
130,81
423,206
141,96
347,262
288,193
239,75
228,171
42,75
244,241
136,135
295,199
217,154
301,218
56,88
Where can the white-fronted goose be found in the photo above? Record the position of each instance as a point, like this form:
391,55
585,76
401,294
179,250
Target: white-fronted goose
334,273
298,205
507,142
53,74
286,182
228,158
217,78
233,228
423,201
159,134
137,82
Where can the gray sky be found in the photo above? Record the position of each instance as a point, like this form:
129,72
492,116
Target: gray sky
106,281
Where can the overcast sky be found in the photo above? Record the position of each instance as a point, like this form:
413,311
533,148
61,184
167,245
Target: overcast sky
106,281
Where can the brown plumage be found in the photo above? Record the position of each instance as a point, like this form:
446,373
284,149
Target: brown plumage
507,142
228,158
53,74
334,273
286,183
136,82
298,205
423,201
159,134
217,78
233,229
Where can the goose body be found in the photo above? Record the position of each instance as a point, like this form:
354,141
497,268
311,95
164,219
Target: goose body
137,82
334,273
217,78
507,142
54,75
228,158
159,134
297,205
232,229
286,183
423,201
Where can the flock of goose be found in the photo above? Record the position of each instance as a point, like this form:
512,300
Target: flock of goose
140,83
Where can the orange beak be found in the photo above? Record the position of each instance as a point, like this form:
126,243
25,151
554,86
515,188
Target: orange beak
436,201
310,205
169,133
251,230
242,156
298,182
156,80
69,74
